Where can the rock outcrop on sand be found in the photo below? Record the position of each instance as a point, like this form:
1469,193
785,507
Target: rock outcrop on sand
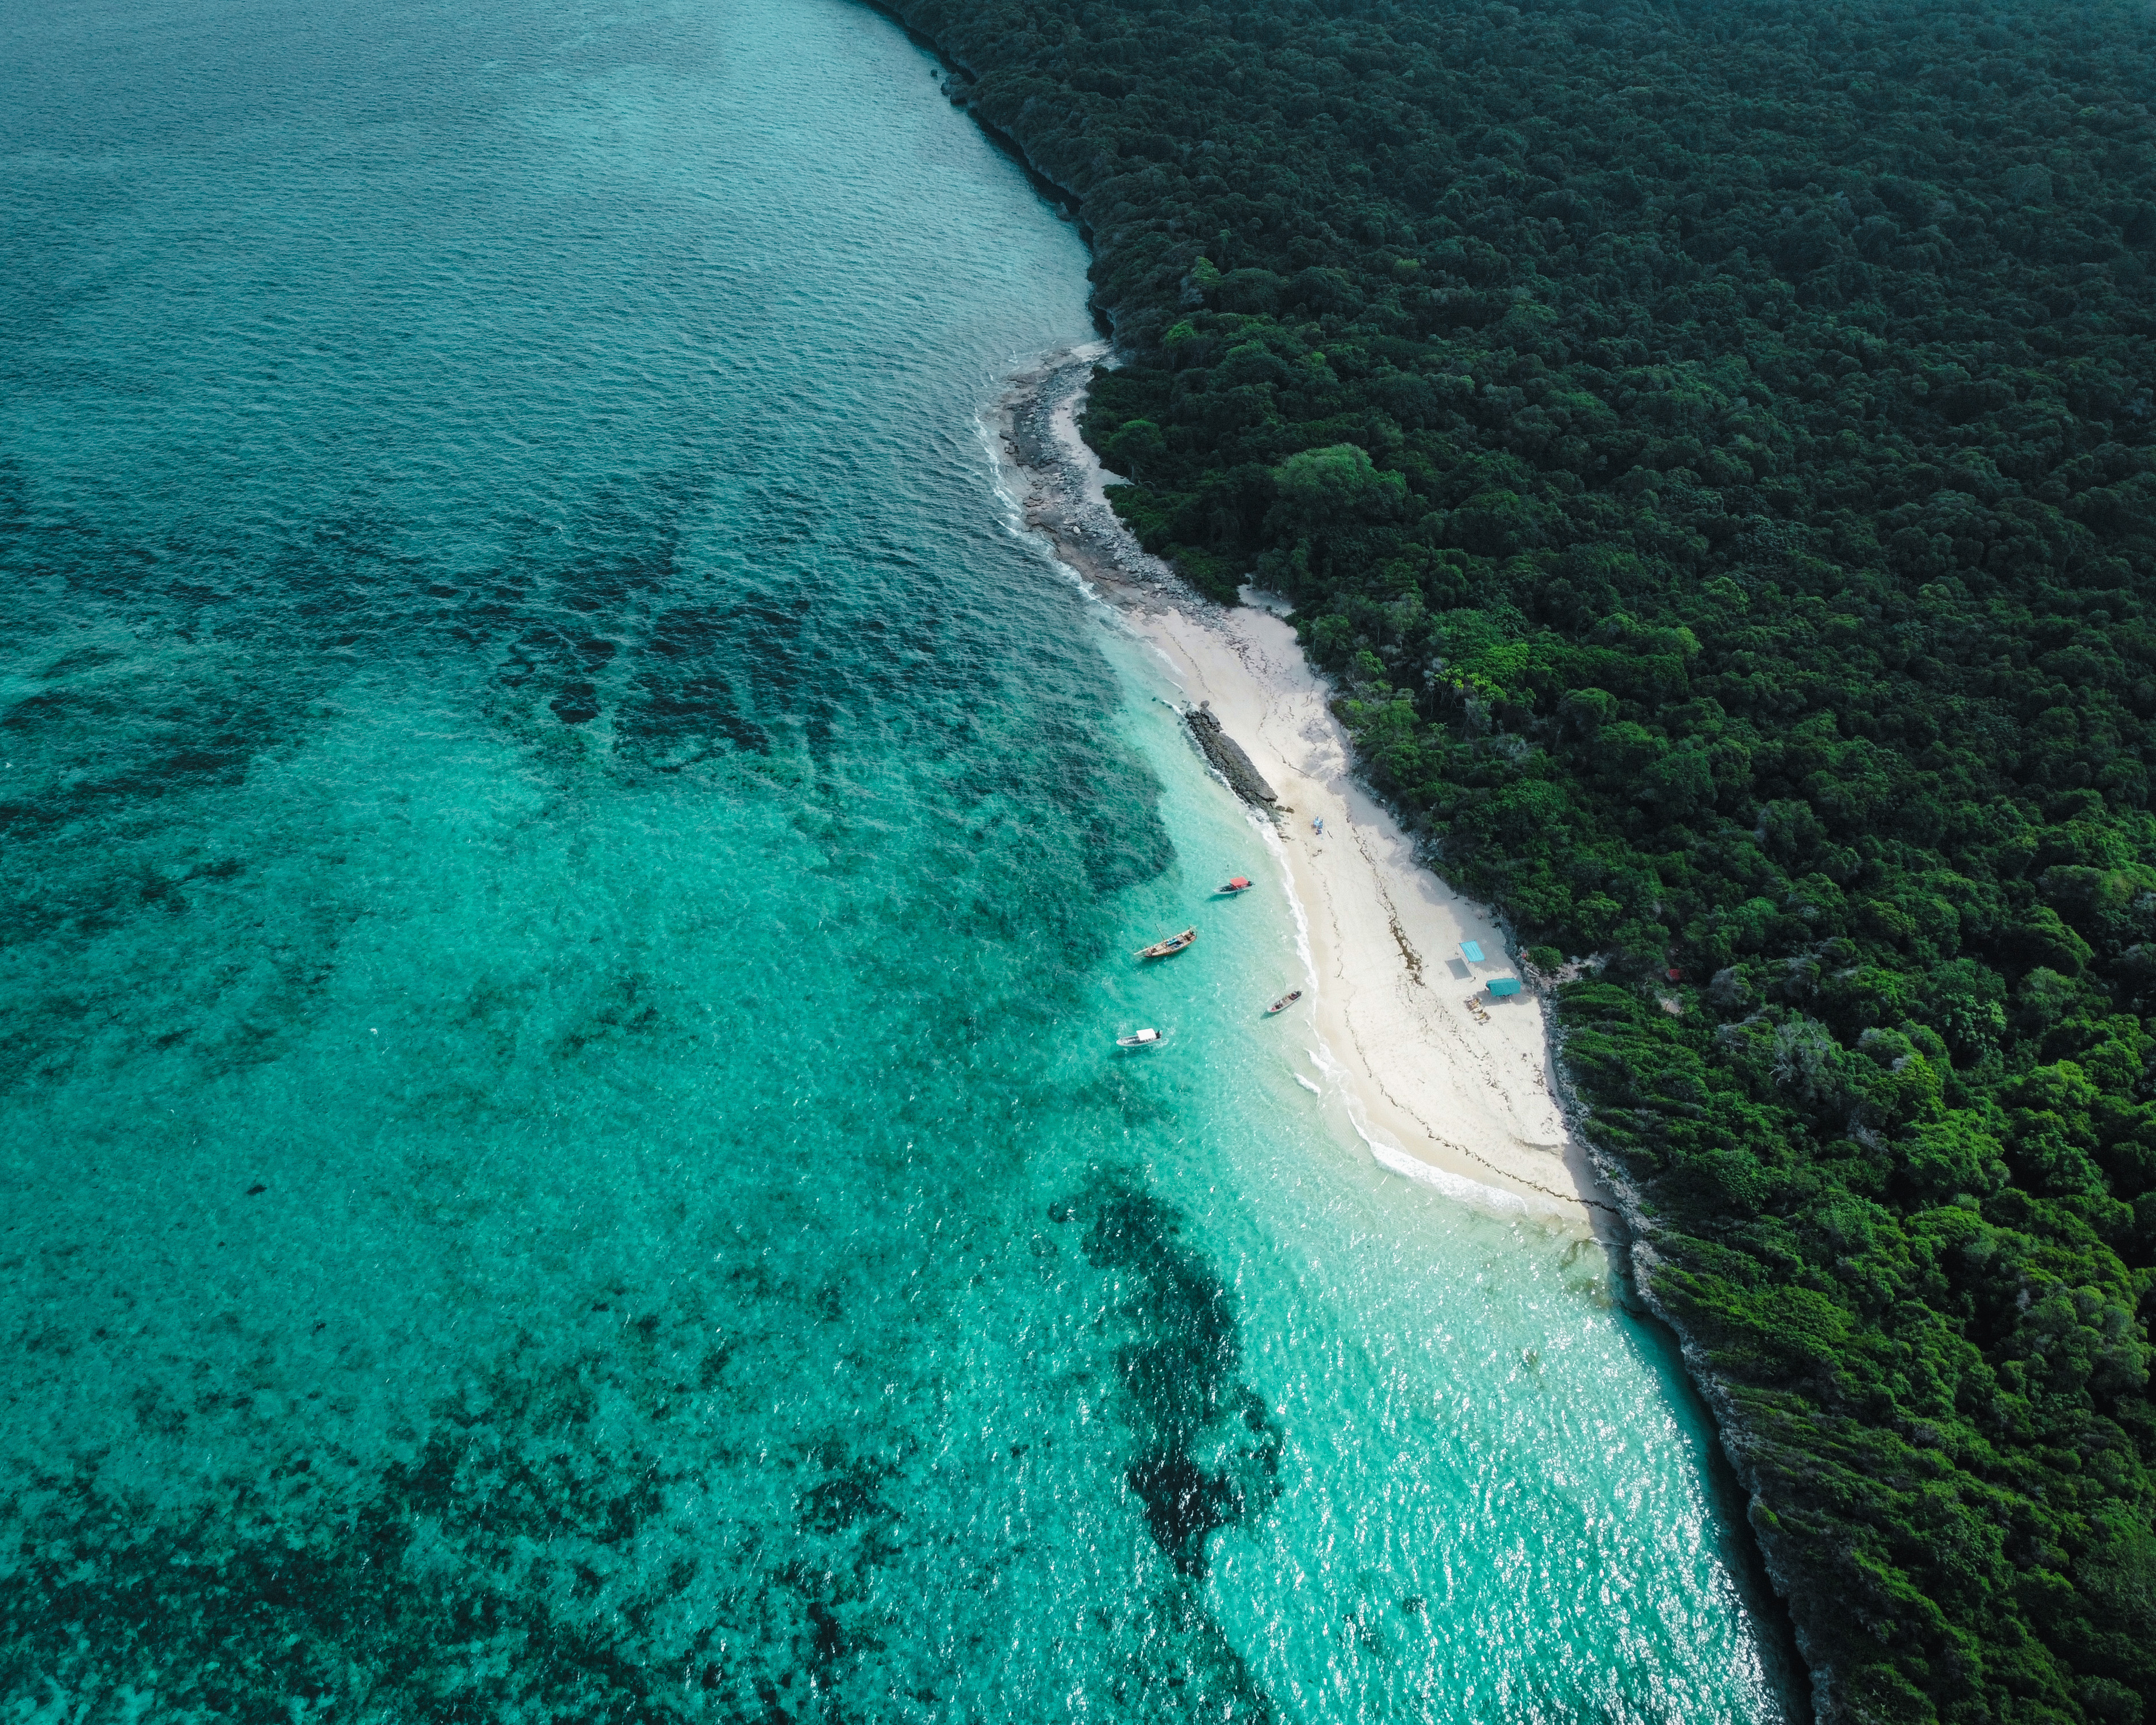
1227,758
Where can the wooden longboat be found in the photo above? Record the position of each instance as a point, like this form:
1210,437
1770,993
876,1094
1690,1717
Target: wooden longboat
1173,943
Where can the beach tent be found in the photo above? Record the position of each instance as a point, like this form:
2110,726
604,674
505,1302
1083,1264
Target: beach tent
1501,986
1472,950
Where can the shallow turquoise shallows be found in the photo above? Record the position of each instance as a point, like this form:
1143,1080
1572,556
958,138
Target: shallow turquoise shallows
568,882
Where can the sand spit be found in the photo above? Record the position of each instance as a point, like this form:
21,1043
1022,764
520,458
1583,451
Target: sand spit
1456,1094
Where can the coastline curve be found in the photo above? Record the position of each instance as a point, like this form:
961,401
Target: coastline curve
1456,1096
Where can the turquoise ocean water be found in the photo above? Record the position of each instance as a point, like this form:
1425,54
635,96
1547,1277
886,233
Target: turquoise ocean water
568,880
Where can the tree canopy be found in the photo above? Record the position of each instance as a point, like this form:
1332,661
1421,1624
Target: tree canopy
1714,448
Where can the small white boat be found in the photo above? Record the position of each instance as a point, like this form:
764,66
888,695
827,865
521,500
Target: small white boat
1142,1039
1284,1002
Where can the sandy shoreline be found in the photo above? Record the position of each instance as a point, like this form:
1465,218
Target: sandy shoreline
1460,1102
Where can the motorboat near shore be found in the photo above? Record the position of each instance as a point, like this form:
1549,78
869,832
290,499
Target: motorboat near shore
1284,1002
1173,943
1240,883
1140,1039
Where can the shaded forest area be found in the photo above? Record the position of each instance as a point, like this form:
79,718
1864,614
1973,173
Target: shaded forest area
1711,447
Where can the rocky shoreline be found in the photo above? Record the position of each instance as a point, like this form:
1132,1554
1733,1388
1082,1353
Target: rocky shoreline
1740,1446
1038,421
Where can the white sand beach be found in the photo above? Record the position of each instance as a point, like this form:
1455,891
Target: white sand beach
1455,1095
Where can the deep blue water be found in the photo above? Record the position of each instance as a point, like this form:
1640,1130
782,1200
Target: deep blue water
568,880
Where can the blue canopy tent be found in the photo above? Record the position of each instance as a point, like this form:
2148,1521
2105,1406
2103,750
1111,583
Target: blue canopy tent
1501,986
1472,951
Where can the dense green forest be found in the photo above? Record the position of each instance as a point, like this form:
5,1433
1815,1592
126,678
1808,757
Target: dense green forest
1714,448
